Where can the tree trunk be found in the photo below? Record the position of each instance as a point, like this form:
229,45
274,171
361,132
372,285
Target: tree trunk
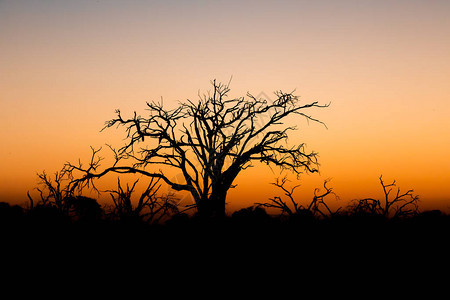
214,206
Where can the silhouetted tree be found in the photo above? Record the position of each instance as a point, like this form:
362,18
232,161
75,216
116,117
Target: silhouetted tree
292,208
209,141
150,206
56,198
400,205
53,191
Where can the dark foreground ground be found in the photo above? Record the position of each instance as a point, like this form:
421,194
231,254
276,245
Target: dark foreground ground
244,232
255,251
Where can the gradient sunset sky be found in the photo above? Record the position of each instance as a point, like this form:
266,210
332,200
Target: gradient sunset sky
65,66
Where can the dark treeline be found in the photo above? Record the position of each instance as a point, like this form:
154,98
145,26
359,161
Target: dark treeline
149,218
92,238
58,212
91,219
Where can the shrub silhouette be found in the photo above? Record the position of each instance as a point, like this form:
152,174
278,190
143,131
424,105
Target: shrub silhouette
250,215
150,206
10,213
293,209
84,209
399,206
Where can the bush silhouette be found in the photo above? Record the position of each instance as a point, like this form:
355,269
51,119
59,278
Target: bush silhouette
9,214
84,209
251,215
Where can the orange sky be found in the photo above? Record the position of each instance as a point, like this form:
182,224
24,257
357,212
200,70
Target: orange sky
384,65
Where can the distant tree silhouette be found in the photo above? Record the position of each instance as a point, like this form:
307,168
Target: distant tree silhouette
400,205
209,141
53,191
56,198
292,208
150,206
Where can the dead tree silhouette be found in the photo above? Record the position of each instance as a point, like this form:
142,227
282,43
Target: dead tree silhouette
53,191
150,206
316,208
401,205
209,141
56,197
